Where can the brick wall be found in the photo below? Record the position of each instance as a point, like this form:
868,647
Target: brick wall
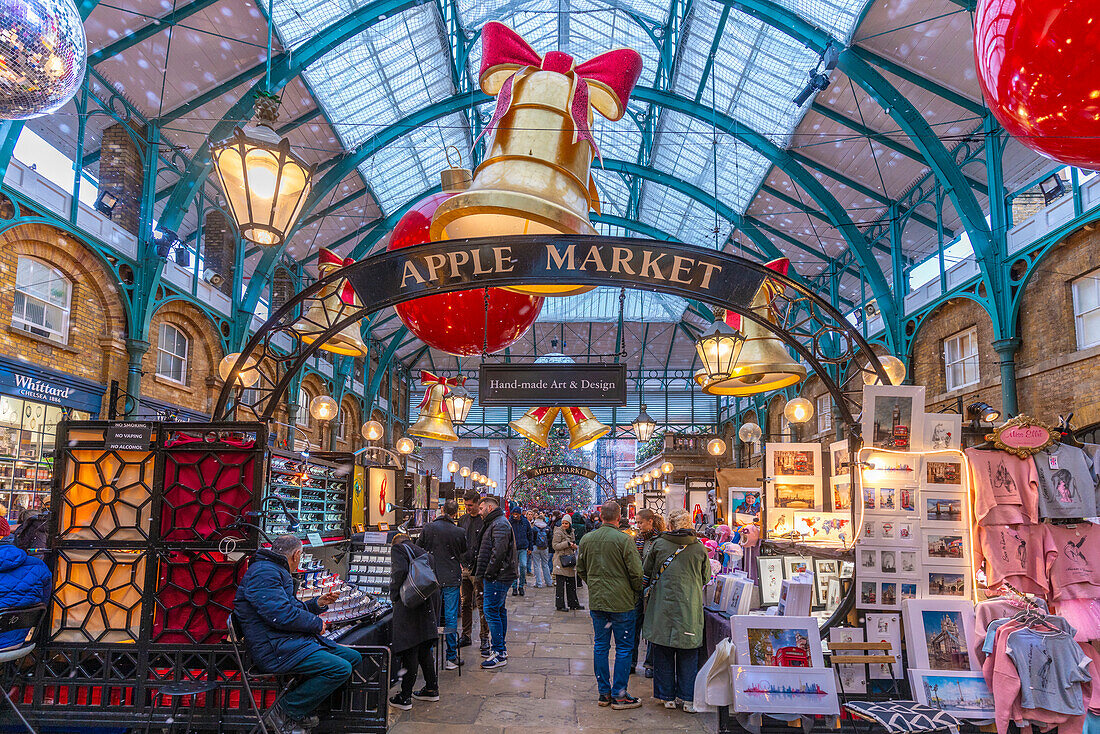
204,352
927,365
219,241
121,172
94,347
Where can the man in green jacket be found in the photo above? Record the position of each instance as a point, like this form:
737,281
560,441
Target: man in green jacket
608,562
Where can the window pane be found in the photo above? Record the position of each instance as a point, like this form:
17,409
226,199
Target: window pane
1089,328
1086,293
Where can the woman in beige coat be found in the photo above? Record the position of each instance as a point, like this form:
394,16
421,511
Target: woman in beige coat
565,577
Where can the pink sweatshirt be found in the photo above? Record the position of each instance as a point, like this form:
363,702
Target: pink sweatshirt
1073,560
1006,489
1012,553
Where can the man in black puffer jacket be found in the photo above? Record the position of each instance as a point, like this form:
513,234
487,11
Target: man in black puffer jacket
284,635
497,567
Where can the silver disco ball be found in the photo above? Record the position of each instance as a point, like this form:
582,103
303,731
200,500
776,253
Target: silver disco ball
43,54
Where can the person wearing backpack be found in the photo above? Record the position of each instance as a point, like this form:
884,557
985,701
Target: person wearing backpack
675,572
540,553
414,627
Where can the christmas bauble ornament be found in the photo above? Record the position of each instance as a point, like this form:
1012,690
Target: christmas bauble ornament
1037,62
455,322
43,55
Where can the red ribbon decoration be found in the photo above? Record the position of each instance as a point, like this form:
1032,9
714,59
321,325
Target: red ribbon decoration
780,265
616,71
329,259
431,380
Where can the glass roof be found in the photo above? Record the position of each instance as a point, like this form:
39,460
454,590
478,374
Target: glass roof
602,305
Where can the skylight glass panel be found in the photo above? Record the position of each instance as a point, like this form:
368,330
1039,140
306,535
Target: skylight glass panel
613,190
299,20
839,17
679,216
602,305
384,74
620,140
412,164
476,13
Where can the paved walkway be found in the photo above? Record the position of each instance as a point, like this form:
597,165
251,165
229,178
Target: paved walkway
547,686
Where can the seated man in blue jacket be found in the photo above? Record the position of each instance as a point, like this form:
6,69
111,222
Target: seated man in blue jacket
284,635
24,582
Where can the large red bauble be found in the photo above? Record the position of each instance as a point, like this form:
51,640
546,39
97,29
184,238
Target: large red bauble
455,322
1037,65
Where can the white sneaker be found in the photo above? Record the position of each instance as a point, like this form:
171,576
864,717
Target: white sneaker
450,665
670,704
688,708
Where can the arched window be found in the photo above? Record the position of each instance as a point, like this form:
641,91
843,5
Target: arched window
172,346
301,418
342,425
42,300
481,465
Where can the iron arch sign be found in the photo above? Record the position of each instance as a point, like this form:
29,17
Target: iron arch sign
547,470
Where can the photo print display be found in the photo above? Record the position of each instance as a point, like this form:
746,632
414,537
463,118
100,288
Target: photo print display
962,694
884,591
825,569
765,690
885,627
942,509
777,641
893,416
792,462
842,496
771,578
795,483
833,528
938,631
795,496
841,457
890,468
942,432
942,471
881,531
944,545
852,678
744,501
945,581
795,565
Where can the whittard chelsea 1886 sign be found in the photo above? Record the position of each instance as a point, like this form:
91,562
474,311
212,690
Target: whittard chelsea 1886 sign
552,384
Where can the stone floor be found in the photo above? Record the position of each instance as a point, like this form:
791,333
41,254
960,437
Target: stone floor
547,686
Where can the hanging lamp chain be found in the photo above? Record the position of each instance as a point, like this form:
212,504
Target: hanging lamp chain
485,333
622,323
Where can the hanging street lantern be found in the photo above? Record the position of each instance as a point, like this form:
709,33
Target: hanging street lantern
458,402
373,430
718,350
265,183
405,446
798,410
644,425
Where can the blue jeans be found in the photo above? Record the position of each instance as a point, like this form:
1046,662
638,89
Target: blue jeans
542,571
452,599
531,560
496,614
621,625
521,580
674,672
322,672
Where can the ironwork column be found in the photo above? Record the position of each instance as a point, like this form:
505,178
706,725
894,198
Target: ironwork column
136,349
1006,360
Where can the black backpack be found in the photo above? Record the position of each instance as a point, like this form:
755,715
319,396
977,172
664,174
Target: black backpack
33,532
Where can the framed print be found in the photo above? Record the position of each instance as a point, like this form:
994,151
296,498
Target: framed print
938,631
780,522
771,578
906,532
962,693
745,500
832,528
945,581
944,545
907,499
891,468
868,559
879,591
825,569
885,627
907,589
944,469
793,565
908,562
788,495
794,460
941,508
893,416
766,690
868,593
842,496
942,432
832,594
847,569
852,678
841,458
776,641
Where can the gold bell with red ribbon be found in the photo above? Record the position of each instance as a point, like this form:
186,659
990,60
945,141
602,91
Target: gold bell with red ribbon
536,177
335,303
434,422
535,424
584,428
764,363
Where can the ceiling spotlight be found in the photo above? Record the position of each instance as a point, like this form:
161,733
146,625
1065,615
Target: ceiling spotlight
165,240
983,412
212,277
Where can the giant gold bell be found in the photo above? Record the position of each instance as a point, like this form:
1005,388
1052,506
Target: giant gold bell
535,179
535,424
583,427
326,311
764,363
434,421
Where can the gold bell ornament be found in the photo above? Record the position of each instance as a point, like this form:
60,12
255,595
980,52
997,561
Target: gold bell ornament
764,363
536,178
434,422
583,427
535,424
335,303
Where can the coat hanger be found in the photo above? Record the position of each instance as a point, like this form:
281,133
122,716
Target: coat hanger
1068,434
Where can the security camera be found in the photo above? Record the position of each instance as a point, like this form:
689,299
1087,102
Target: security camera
212,277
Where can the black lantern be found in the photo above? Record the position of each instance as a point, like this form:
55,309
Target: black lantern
644,425
719,349
458,401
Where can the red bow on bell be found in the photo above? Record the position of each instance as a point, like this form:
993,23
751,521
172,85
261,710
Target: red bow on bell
604,81
431,380
327,259
780,265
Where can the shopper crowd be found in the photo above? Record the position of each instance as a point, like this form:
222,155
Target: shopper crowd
644,583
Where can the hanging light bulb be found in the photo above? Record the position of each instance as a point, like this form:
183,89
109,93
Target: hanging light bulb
798,410
749,433
666,468
405,446
644,425
373,430
716,447
452,467
248,375
266,184
464,472
894,368
323,408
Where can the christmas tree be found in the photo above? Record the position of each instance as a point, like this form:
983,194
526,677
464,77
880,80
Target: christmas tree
557,491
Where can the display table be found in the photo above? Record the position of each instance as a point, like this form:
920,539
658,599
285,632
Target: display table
716,627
